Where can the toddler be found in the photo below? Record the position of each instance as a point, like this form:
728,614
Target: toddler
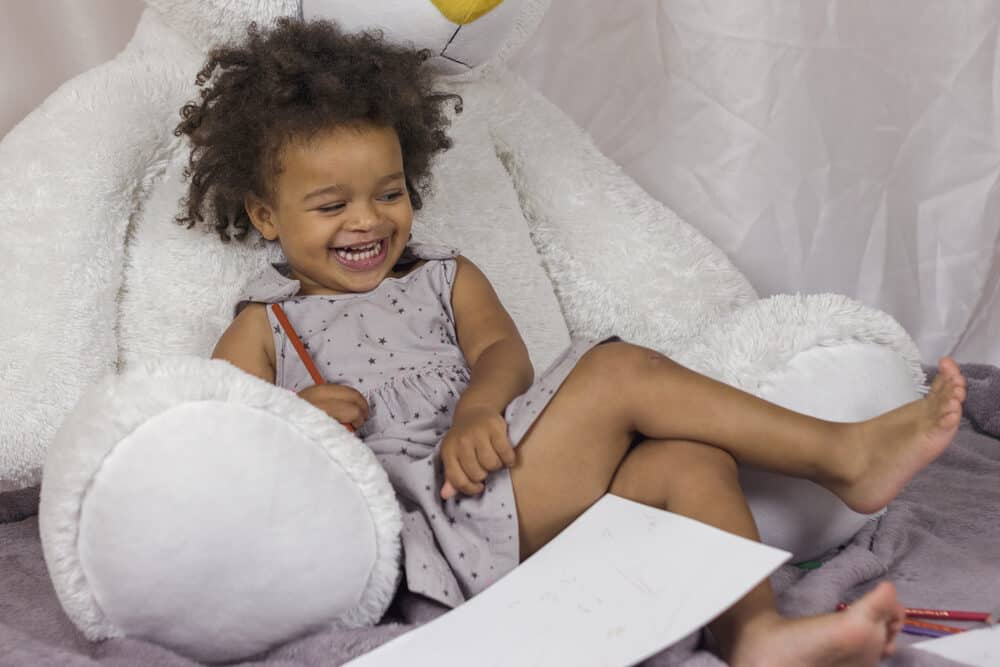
321,142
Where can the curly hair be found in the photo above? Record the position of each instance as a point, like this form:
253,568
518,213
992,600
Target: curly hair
291,82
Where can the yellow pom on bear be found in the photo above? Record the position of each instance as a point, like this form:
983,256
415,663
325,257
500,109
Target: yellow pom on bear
463,12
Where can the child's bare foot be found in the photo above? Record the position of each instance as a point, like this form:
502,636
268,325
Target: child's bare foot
861,635
887,451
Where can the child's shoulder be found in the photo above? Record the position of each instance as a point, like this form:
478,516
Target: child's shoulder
247,343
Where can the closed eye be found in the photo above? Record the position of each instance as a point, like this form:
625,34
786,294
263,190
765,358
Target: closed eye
391,196
332,208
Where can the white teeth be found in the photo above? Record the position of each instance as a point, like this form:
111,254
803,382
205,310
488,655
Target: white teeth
360,253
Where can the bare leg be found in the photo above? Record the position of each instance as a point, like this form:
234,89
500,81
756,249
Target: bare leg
865,463
568,458
700,481
572,454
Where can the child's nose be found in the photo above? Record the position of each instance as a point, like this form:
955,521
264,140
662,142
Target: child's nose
365,216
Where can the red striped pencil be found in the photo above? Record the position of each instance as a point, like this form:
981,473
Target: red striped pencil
952,615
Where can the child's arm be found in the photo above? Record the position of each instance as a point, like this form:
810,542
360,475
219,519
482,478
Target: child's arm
248,345
501,370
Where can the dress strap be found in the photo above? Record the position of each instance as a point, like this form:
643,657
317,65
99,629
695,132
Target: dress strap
279,313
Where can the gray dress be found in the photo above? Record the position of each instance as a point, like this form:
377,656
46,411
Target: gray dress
397,346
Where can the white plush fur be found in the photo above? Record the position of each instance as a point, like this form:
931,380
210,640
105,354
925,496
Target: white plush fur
102,279
72,174
748,346
113,411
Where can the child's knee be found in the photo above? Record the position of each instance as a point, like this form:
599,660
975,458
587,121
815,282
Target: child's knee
620,364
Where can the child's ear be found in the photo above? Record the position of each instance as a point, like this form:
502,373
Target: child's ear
261,216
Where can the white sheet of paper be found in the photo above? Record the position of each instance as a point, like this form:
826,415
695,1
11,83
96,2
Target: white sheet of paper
621,583
978,648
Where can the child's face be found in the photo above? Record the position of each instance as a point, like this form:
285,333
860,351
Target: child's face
341,210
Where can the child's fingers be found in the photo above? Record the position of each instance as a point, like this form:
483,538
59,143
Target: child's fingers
487,457
470,463
502,447
353,396
455,475
349,412
447,490
345,404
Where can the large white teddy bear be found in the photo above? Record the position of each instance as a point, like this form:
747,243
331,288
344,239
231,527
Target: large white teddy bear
188,503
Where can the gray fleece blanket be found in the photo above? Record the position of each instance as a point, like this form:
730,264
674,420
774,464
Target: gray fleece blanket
939,542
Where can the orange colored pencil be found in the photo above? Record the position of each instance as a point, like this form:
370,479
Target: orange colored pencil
950,629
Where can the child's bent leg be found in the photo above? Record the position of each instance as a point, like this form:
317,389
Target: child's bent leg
700,481
569,457
865,463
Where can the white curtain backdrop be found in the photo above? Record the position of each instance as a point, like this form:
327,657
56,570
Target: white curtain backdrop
826,145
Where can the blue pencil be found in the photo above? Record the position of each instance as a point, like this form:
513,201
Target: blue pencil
924,632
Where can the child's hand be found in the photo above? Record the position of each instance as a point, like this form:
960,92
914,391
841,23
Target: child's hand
476,445
341,402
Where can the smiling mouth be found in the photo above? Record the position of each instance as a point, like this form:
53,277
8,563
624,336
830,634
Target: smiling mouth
362,256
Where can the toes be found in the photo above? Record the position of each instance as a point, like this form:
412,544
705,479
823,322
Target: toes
881,603
948,369
949,421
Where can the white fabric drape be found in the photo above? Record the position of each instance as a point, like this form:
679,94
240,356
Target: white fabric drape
825,145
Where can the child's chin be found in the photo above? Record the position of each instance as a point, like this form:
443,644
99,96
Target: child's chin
361,281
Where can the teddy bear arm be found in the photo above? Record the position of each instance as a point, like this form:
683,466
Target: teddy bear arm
71,174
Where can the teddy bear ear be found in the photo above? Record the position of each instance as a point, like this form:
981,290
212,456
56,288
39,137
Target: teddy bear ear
464,35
